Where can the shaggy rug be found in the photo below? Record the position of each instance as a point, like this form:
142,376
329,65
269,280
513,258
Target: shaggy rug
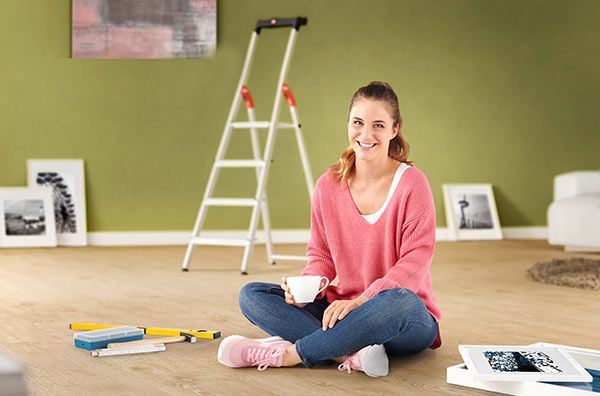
574,272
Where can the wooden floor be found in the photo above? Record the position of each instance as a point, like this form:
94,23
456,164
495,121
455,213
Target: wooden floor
482,290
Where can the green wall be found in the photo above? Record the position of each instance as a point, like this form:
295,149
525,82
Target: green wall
505,92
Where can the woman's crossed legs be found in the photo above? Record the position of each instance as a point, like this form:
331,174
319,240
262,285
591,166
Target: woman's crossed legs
396,319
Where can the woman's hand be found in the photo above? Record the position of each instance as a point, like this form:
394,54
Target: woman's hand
338,310
288,296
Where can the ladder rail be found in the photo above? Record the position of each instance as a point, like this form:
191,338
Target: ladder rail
233,111
277,102
221,151
303,155
295,124
269,147
264,205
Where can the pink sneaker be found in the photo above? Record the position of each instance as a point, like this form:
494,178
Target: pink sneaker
238,351
371,359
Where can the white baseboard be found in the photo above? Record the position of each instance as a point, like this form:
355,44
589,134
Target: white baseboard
441,234
525,232
138,238
582,249
163,238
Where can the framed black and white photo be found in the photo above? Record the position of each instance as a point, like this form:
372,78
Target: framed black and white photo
65,178
588,359
522,363
471,212
27,217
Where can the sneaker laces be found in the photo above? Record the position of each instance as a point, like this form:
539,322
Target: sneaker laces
265,357
352,362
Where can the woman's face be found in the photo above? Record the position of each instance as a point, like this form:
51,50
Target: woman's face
370,129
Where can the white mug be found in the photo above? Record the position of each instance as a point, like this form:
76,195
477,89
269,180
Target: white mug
305,288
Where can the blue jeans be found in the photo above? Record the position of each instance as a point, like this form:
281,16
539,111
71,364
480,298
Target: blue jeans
396,318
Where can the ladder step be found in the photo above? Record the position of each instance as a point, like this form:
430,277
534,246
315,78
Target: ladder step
261,125
240,163
248,125
285,125
230,201
287,257
219,241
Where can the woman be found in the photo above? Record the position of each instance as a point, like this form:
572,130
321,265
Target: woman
372,227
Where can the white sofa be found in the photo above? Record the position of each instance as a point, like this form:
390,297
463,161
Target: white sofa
574,215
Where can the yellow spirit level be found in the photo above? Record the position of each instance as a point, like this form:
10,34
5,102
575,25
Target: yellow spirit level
162,331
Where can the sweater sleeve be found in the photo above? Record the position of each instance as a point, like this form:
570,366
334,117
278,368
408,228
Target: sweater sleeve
417,245
319,256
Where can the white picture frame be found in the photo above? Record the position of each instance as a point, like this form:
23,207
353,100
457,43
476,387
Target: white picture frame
460,375
65,178
522,363
27,217
471,212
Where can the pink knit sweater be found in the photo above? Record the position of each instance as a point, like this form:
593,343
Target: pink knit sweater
396,251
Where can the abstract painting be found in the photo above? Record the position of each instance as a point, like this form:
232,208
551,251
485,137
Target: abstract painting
144,29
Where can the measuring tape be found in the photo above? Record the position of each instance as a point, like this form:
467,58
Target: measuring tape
130,350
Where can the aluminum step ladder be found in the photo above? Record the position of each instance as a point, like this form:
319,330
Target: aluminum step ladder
261,164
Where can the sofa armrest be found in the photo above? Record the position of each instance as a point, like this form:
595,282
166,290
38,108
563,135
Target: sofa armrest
571,184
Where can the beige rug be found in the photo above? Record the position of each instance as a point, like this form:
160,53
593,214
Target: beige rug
574,272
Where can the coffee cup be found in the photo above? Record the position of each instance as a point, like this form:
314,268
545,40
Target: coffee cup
305,288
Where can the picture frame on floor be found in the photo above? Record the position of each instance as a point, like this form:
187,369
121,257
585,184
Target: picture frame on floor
65,178
589,359
27,217
522,363
471,212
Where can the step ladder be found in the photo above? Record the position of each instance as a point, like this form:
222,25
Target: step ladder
261,164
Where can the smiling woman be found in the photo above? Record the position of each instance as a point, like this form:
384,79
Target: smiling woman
372,228
374,123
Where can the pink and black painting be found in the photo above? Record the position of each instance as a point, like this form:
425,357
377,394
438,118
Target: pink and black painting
144,29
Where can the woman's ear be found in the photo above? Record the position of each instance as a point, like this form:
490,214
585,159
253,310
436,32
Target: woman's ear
395,129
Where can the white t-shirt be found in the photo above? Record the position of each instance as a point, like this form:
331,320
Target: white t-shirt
373,217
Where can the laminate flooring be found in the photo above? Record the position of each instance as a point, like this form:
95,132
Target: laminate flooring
482,289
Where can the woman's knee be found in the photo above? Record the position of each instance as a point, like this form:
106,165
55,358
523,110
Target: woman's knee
249,291
253,292
248,295
404,303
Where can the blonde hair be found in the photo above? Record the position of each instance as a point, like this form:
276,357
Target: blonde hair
345,167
